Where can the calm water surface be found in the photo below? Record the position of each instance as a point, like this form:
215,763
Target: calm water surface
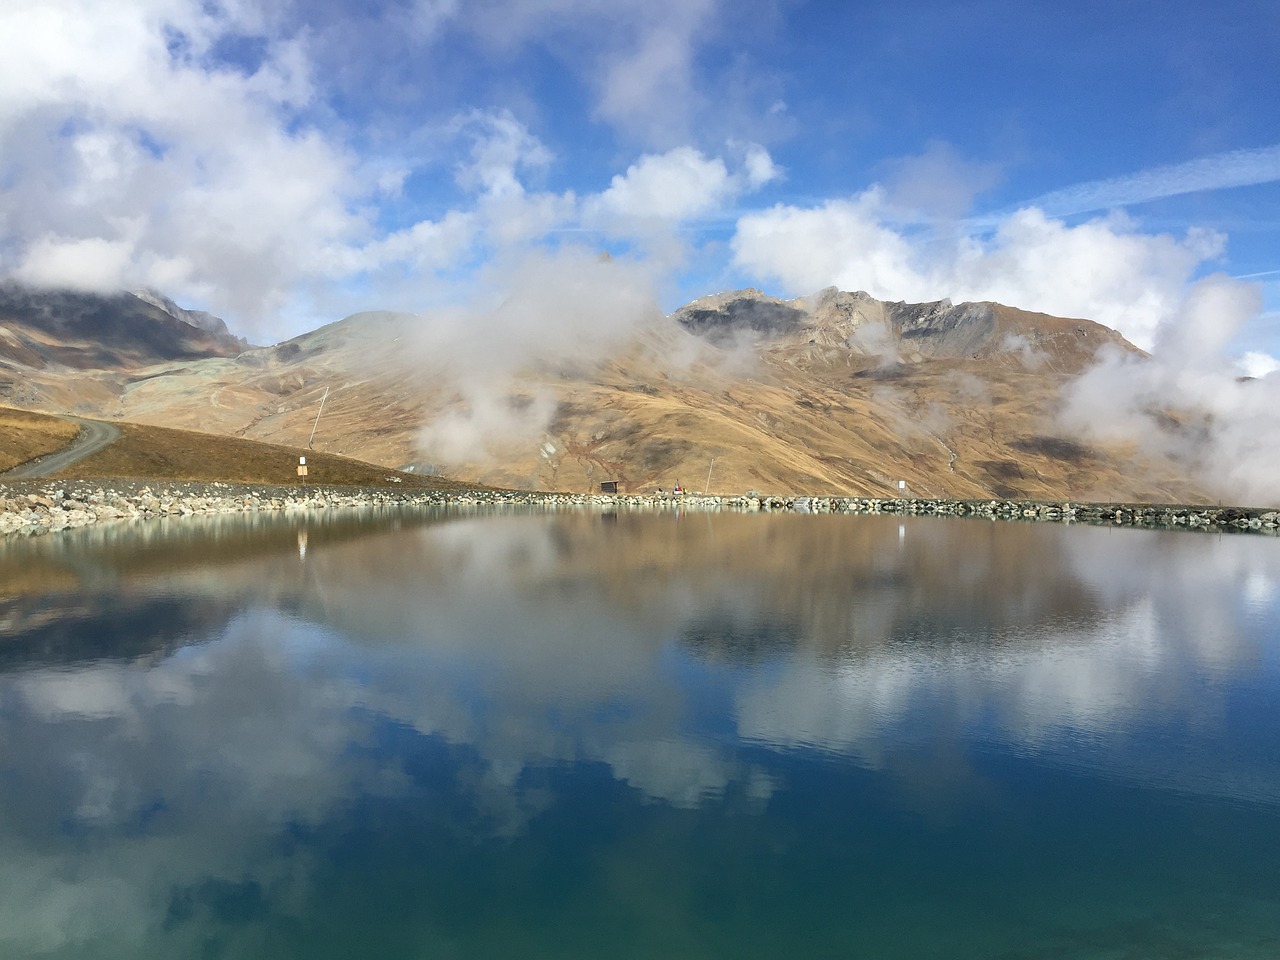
438,735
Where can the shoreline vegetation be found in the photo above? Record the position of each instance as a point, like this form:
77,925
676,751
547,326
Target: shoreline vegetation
33,507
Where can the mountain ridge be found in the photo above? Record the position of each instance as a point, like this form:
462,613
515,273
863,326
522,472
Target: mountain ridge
118,331
833,393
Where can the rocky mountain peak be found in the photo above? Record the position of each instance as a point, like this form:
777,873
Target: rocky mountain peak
726,316
860,324
199,319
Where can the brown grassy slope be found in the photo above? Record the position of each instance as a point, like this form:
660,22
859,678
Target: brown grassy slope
798,419
25,435
810,420
378,392
162,453
800,413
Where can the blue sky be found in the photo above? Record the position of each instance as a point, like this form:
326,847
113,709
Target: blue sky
284,163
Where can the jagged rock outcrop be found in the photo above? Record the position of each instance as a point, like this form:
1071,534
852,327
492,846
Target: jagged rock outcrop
900,332
199,319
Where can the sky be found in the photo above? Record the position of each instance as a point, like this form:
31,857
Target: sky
284,163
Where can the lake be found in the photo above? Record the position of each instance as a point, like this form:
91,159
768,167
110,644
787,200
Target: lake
435,733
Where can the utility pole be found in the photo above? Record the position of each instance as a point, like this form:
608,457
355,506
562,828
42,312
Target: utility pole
317,423
707,489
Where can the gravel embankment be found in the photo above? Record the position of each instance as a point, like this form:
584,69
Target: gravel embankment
42,506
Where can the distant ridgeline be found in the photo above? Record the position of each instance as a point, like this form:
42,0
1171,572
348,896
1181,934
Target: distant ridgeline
898,330
836,393
92,331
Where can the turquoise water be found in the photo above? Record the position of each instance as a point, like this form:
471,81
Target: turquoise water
444,735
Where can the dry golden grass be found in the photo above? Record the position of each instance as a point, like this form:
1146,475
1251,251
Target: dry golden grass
797,415
161,453
25,435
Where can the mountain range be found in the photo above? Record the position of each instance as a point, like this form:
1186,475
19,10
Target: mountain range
834,393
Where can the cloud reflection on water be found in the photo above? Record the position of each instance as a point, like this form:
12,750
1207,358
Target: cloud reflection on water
669,653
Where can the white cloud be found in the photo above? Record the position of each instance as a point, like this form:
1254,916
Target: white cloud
1257,364
841,242
534,302
427,246
517,219
676,185
1235,168
500,146
565,306
91,263
759,168
1104,270
137,159
1220,424
681,184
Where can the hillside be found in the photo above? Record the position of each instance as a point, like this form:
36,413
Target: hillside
147,452
87,331
836,393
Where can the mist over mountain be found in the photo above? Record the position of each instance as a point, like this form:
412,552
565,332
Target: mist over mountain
92,331
898,332
838,392
200,319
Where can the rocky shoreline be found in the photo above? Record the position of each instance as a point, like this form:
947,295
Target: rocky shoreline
44,506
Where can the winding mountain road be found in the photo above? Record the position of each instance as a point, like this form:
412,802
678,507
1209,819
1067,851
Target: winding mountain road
93,436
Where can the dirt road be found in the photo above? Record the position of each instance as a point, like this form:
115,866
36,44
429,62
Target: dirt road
93,436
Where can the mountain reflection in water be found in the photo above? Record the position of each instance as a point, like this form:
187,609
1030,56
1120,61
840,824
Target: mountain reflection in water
436,733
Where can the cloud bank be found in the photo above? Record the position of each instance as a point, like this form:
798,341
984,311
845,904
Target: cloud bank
132,156
1105,269
221,153
1188,401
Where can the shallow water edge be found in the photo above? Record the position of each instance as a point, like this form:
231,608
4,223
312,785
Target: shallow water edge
36,507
